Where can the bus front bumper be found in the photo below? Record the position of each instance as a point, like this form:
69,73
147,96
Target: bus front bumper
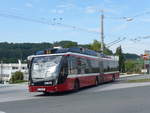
43,88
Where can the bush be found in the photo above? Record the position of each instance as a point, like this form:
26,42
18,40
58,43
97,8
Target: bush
133,66
17,77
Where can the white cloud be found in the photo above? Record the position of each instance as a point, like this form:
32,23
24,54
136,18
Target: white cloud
120,28
66,6
36,1
96,30
145,20
90,9
132,47
94,9
110,10
60,11
57,28
57,11
15,9
29,5
108,1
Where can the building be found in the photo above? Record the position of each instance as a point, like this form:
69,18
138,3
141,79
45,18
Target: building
6,70
146,58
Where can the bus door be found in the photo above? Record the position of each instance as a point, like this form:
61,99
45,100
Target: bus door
63,70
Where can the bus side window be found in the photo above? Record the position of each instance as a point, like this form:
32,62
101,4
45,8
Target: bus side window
73,65
101,66
79,66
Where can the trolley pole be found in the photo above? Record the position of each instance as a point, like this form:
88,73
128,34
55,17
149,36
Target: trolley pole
102,31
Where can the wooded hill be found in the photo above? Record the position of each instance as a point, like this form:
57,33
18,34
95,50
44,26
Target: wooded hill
11,52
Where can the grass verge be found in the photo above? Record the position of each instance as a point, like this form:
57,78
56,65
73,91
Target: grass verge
139,80
18,82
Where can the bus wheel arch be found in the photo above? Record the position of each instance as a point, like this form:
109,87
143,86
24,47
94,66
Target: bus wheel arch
76,84
96,81
46,93
113,78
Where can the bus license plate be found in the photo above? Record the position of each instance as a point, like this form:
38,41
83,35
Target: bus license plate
41,89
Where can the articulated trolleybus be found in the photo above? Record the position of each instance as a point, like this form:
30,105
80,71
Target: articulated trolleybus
64,69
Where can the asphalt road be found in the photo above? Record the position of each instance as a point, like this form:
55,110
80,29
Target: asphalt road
107,98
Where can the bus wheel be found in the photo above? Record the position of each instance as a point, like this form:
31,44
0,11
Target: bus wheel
96,81
113,78
101,80
76,85
46,93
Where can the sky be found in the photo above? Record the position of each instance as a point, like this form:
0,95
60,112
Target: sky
83,14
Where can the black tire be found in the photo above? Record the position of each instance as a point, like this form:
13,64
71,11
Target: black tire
113,78
46,93
101,80
76,85
96,81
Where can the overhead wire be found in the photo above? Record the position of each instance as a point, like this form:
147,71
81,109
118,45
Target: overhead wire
115,42
23,18
128,18
139,38
53,23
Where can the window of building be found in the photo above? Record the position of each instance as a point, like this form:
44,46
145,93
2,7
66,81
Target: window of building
14,67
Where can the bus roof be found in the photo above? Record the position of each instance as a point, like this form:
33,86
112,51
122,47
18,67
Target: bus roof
75,54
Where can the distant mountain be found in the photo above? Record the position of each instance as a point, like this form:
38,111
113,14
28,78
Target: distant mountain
130,56
11,52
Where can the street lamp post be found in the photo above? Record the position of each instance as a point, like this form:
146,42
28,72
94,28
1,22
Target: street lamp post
1,73
102,31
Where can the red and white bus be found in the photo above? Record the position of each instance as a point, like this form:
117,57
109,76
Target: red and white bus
69,70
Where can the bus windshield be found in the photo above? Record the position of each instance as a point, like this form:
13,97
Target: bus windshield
45,68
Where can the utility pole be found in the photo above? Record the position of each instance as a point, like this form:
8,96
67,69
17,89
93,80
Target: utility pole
102,31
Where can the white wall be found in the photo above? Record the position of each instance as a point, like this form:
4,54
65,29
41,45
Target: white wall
6,70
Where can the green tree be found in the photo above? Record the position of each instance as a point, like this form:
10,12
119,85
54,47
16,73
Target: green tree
66,44
16,77
96,46
131,56
121,59
11,52
133,66
108,51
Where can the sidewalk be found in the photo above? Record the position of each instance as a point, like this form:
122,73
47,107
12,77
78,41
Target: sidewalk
125,77
128,75
4,85
12,85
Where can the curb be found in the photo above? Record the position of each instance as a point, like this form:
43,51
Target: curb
129,75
